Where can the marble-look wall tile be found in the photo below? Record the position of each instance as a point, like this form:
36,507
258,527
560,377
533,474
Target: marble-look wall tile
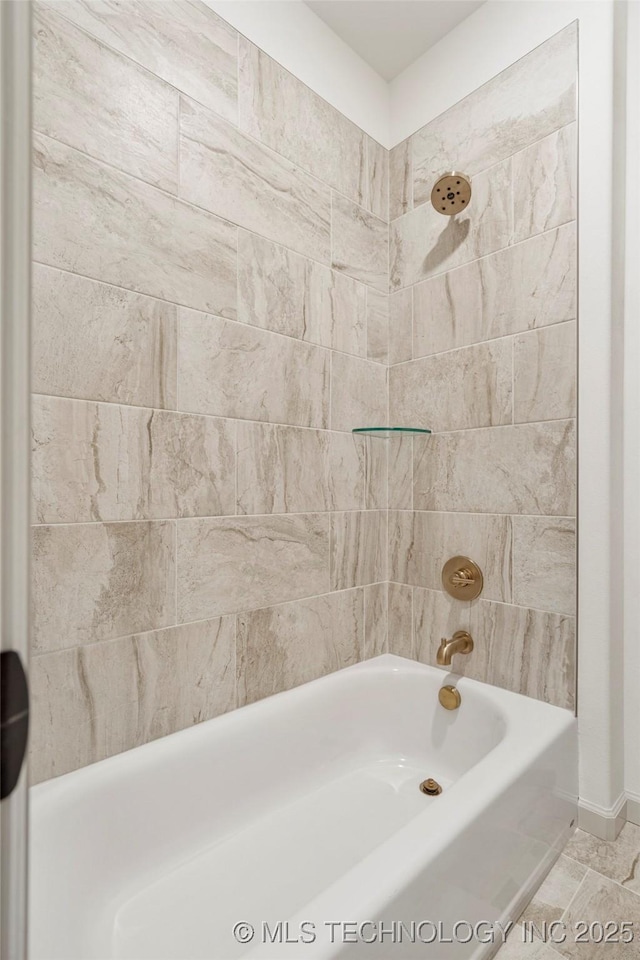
471,387
600,901
545,183
94,461
401,326
527,101
424,243
230,565
376,485
420,544
102,103
523,469
293,470
94,701
285,114
436,615
544,563
532,284
400,627
545,363
401,472
284,292
93,220
358,393
230,369
283,646
359,243
375,619
358,548
157,35
377,325
97,342
232,175
526,651
400,179
377,191
99,581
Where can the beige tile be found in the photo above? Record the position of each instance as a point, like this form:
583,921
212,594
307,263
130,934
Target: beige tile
284,292
292,470
520,946
616,859
400,630
100,581
377,192
602,901
400,180
235,177
229,565
283,646
91,219
102,103
555,893
359,243
375,619
532,284
544,563
437,615
527,101
545,183
526,651
524,469
421,543
377,325
545,373
376,486
94,461
401,325
401,472
358,393
358,548
233,370
424,243
97,342
92,702
152,31
321,140
470,387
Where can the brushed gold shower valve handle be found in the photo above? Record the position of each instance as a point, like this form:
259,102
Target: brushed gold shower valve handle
463,578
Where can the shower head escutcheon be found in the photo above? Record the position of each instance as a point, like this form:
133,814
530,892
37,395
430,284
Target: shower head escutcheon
451,194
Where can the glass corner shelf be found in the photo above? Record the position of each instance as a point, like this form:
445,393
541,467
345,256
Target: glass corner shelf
388,432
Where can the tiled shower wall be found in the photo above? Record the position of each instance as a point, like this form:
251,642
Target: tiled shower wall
483,334
210,294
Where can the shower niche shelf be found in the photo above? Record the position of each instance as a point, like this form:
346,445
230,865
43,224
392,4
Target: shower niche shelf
388,433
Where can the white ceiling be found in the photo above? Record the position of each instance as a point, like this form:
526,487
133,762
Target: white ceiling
391,34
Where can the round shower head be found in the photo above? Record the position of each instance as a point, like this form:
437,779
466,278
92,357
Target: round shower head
451,194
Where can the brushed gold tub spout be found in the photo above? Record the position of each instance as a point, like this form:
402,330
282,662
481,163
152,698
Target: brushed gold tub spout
461,642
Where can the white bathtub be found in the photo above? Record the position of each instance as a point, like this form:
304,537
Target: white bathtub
305,808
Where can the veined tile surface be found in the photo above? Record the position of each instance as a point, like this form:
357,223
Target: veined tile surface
401,326
377,325
544,373
359,243
358,548
358,393
400,179
545,183
544,563
375,619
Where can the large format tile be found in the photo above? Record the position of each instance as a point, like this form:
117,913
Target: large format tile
424,243
471,387
532,284
358,548
229,565
94,461
358,393
235,177
156,34
282,112
545,183
600,901
98,581
617,859
400,475
283,646
359,243
521,946
375,619
526,469
102,103
555,894
400,614
421,543
233,370
401,325
527,101
436,615
400,180
544,563
284,292
377,187
377,325
293,470
545,373
94,701
97,342
96,221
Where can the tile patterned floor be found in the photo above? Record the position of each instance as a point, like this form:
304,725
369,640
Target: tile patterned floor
594,880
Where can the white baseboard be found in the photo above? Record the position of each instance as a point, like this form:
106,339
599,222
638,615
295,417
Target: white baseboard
603,823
